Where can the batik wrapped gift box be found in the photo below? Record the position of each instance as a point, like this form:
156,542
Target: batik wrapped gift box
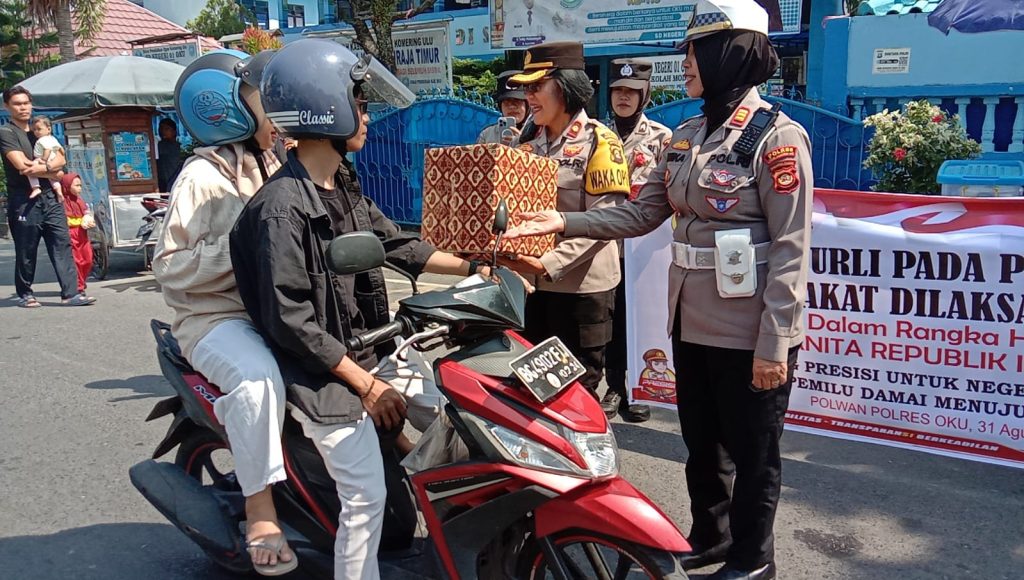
462,187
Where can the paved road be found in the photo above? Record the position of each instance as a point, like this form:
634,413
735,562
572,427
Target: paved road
76,384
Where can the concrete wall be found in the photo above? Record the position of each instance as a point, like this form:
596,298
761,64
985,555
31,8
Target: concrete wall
944,64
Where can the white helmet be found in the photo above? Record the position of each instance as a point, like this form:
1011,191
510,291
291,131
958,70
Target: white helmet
711,16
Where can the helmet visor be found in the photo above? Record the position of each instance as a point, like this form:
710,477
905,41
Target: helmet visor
379,85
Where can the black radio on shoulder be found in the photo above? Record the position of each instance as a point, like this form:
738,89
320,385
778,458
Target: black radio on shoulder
755,131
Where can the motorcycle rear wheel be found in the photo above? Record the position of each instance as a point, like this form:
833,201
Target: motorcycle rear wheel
197,456
204,456
585,555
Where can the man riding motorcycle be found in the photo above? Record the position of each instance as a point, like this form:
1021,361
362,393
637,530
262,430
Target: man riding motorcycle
315,90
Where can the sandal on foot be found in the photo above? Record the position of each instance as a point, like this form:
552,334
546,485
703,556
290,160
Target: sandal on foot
28,302
279,569
78,300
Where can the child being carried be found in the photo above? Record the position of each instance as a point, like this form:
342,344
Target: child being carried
46,147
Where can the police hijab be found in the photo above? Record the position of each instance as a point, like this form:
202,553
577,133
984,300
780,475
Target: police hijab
731,62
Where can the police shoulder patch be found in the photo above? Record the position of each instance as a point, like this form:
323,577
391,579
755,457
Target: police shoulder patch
607,170
574,130
739,117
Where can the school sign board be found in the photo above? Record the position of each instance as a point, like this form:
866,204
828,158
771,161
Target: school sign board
914,318
423,55
522,23
182,53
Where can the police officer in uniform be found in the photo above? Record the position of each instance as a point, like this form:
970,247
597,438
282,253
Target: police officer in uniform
644,141
511,103
575,288
739,180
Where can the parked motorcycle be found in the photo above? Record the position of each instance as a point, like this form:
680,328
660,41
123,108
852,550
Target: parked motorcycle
537,495
156,208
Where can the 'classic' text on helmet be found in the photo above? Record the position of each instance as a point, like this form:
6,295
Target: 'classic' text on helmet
309,89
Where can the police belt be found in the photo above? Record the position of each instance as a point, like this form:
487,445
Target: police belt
690,257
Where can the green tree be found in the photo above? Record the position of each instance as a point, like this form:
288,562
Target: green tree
21,56
477,76
220,18
71,18
373,21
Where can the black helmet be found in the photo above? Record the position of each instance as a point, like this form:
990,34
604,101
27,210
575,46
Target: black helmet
309,89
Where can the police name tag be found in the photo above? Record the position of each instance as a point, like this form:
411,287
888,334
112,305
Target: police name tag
547,369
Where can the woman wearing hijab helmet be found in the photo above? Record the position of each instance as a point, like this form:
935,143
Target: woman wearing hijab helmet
217,98
739,180
643,142
316,91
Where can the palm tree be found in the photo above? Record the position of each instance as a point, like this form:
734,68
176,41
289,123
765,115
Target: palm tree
21,55
89,15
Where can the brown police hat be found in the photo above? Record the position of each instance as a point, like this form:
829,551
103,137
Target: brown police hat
631,73
543,59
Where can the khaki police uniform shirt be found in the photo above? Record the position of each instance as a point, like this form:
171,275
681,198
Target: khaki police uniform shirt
592,174
491,134
644,148
707,188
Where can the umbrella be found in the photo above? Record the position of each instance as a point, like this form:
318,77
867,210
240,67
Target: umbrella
107,81
978,15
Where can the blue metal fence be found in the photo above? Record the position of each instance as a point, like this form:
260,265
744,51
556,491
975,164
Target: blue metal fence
391,166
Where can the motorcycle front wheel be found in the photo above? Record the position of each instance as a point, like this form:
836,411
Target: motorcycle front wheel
584,555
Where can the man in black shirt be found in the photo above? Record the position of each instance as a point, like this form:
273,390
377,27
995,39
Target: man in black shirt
40,217
304,311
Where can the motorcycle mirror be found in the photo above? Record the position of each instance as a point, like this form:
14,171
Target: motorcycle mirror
500,225
355,252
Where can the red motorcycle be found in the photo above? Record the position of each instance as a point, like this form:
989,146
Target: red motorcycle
537,494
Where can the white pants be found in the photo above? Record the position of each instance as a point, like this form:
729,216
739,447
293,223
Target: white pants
234,357
351,452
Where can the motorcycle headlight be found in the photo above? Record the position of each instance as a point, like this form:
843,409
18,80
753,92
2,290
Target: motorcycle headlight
599,450
530,453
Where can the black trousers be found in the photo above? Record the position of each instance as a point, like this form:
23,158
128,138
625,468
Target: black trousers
41,218
616,358
582,321
734,469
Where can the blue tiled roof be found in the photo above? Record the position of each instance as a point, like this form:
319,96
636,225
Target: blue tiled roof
881,7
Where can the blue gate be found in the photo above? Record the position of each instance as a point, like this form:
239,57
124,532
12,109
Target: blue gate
391,166
838,144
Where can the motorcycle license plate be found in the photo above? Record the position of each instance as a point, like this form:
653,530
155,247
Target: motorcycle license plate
547,368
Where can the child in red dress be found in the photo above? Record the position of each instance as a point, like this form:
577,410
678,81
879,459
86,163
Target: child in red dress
80,220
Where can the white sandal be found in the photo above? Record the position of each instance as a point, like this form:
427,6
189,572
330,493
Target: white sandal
279,569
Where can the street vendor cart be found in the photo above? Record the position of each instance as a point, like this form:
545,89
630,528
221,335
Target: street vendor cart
110,103
113,150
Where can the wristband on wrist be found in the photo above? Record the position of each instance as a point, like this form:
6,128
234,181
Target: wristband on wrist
474,265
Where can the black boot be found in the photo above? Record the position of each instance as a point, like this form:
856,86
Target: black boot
636,413
701,556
